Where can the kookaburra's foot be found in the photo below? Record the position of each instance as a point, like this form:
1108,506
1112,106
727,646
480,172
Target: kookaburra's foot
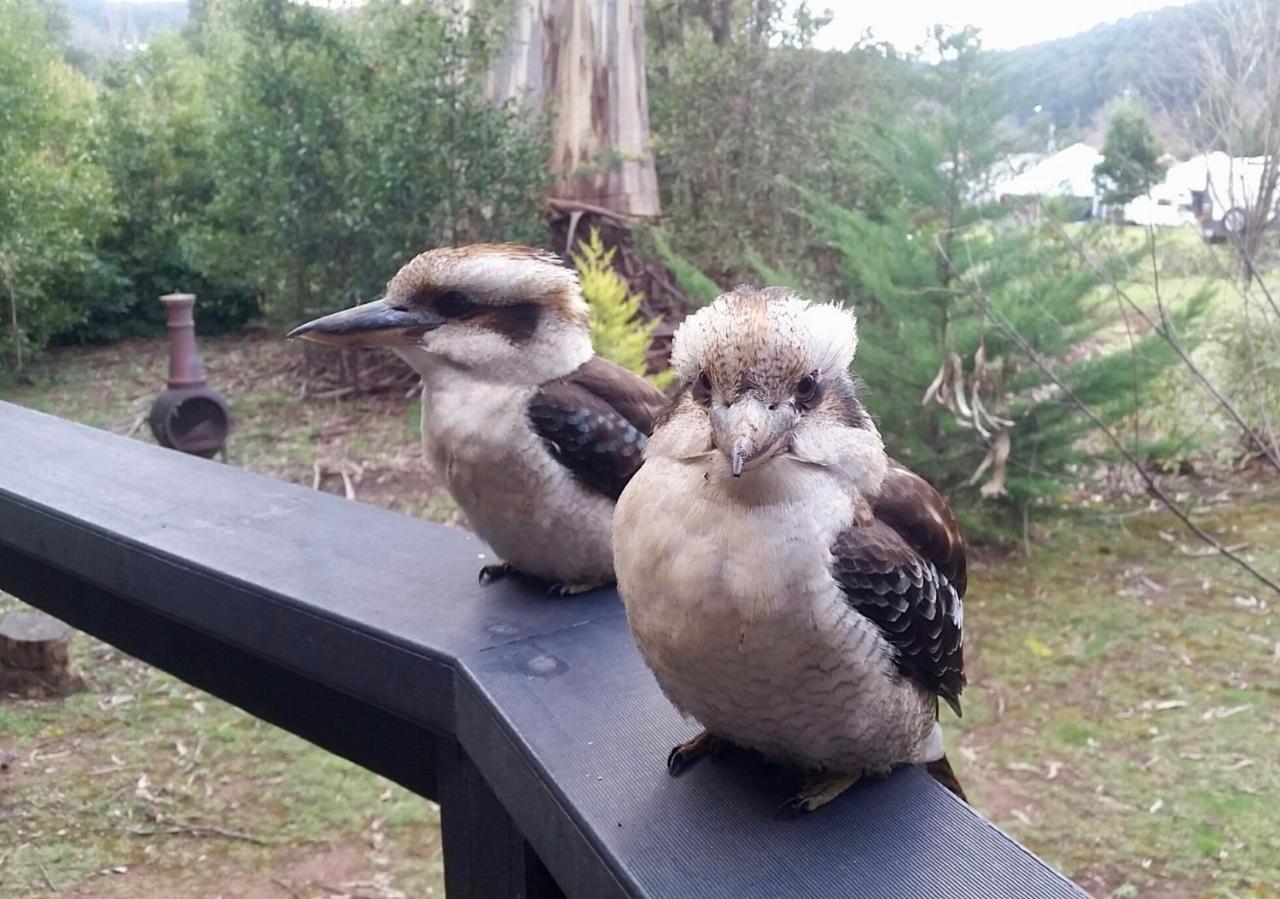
683,756
491,573
574,589
817,791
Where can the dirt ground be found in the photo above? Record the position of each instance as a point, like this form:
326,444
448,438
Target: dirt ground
1121,720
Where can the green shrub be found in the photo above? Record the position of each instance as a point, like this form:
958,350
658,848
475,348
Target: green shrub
618,332
343,144
155,144
55,200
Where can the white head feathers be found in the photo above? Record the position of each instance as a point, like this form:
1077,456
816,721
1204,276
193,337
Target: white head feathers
747,328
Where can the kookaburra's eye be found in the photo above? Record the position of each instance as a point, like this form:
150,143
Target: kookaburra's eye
807,389
455,304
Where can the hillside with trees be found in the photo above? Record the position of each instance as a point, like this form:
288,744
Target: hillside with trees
1148,57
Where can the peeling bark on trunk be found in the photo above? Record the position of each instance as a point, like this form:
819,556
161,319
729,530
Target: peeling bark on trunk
582,62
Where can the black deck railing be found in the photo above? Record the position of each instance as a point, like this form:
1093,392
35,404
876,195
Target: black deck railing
532,721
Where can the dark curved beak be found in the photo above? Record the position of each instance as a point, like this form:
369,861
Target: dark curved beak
747,431
370,324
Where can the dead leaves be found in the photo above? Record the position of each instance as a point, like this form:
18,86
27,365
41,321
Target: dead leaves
996,459
970,409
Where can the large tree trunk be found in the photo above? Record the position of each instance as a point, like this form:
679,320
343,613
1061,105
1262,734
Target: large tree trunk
582,62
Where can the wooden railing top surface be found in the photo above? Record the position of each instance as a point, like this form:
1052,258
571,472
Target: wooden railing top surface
384,612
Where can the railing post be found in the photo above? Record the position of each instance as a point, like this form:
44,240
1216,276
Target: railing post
485,855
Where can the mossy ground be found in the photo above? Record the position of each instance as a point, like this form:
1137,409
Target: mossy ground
1122,719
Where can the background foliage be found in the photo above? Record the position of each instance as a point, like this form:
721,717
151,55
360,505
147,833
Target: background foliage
277,159
1130,163
343,145
281,159
55,199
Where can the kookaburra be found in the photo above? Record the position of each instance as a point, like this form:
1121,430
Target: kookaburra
792,588
533,434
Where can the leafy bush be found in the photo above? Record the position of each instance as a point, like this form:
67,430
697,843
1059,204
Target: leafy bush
962,308
951,384
618,332
54,200
343,144
155,144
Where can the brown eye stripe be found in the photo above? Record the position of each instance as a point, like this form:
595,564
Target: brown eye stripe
700,389
516,322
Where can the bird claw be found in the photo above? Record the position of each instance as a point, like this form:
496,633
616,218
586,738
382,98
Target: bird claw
491,573
563,590
816,792
683,756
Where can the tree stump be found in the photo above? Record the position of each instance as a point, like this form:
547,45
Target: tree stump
35,656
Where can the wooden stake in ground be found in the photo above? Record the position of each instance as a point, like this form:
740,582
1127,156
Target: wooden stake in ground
35,656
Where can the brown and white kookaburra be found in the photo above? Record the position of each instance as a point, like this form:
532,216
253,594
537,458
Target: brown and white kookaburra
533,434
792,588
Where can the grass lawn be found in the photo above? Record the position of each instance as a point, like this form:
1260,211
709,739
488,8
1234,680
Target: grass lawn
94,784
1122,719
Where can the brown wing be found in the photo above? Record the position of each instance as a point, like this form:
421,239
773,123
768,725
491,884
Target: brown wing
634,398
909,504
595,422
904,570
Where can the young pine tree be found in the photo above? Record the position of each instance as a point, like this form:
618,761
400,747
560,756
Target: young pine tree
1129,156
960,306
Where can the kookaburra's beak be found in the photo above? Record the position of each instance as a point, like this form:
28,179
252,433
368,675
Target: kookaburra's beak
370,324
746,431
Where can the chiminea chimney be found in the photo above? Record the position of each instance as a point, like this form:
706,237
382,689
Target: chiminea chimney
188,416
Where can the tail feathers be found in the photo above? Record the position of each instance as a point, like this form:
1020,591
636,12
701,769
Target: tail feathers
940,771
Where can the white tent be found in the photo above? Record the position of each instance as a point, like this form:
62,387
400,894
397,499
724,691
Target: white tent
1067,173
1194,174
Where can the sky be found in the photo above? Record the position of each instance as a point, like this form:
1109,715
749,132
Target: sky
1004,24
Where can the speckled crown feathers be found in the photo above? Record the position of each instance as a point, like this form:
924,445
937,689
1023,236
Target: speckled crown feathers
751,329
494,274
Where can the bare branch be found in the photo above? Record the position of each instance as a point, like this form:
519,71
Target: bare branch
980,296
1166,333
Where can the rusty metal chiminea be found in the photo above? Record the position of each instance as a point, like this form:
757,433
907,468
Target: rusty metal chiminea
189,416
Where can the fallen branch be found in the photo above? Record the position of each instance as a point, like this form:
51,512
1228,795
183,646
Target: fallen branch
53,888
137,423
1209,550
572,206
195,830
380,387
